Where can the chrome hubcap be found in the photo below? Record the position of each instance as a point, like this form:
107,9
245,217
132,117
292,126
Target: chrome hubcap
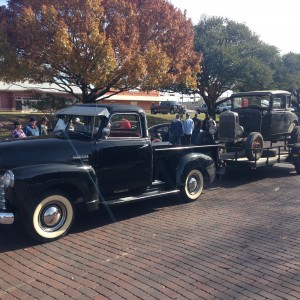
53,216
193,185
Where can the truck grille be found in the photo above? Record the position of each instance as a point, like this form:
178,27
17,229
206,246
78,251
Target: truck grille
227,123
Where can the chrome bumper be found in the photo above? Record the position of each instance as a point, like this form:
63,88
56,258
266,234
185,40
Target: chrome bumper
6,218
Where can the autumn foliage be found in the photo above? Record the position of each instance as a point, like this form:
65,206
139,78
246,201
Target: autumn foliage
101,45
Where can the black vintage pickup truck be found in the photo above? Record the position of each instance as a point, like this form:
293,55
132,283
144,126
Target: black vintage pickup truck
96,155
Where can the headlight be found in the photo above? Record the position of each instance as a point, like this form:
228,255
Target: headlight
8,179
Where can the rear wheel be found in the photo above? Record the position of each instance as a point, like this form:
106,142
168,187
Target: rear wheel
193,185
50,218
254,146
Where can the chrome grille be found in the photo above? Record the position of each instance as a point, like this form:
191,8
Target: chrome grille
2,195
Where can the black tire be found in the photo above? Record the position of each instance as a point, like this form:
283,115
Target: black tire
297,167
254,146
295,135
51,217
172,111
204,138
193,185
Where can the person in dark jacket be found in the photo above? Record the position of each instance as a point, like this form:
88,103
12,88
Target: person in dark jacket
197,128
176,131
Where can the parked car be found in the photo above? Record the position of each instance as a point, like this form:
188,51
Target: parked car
256,117
160,132
165,107
202,108
223,107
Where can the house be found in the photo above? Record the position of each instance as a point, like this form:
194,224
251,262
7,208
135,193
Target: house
13,96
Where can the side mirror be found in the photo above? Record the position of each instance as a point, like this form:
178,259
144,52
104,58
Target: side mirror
105,132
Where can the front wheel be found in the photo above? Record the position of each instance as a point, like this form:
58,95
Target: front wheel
193,185
51,218
254,146
295,135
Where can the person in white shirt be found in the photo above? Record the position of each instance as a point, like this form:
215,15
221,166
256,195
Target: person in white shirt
188,126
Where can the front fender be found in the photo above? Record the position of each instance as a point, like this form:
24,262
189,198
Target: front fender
79,181
199,161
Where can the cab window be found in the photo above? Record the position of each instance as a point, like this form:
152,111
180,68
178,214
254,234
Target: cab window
125,125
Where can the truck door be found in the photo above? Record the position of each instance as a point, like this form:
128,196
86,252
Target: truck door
125,158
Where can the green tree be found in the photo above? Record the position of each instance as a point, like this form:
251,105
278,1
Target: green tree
99,46
233,59
288,74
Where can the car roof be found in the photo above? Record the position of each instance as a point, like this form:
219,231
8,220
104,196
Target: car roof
95,109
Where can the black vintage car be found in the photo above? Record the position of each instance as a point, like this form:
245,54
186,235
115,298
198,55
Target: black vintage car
256,117
160,132
97,155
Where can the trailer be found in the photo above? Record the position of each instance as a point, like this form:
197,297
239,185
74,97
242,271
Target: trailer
284,153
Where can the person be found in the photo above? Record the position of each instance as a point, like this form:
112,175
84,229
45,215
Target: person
31,129
208,121
176,131
125,124
18,132
197,128
188,126
43,128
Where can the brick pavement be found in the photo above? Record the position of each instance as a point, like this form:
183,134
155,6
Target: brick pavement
241,241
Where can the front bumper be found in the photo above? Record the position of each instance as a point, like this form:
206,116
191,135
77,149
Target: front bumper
6,218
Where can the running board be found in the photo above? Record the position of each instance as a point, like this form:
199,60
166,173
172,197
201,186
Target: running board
144,196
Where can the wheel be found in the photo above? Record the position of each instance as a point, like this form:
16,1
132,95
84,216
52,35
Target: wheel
172,111
297,167
254,146
204,138
295,135
50,218
193,185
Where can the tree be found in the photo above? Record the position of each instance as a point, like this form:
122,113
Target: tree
288,74
233,59
99,45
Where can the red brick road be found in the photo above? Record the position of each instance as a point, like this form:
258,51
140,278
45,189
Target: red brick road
241,241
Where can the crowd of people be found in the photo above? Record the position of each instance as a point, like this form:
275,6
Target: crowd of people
185,132
33,128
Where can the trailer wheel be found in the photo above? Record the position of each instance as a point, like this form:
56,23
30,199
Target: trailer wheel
254,146
193,185
295,135
50,218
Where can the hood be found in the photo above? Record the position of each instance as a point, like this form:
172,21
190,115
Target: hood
42,150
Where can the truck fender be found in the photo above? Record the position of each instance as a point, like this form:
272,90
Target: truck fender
199,161
79,181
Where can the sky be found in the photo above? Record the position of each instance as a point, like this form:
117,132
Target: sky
276,22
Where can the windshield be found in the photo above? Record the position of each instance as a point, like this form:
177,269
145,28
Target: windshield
251,102
88,125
